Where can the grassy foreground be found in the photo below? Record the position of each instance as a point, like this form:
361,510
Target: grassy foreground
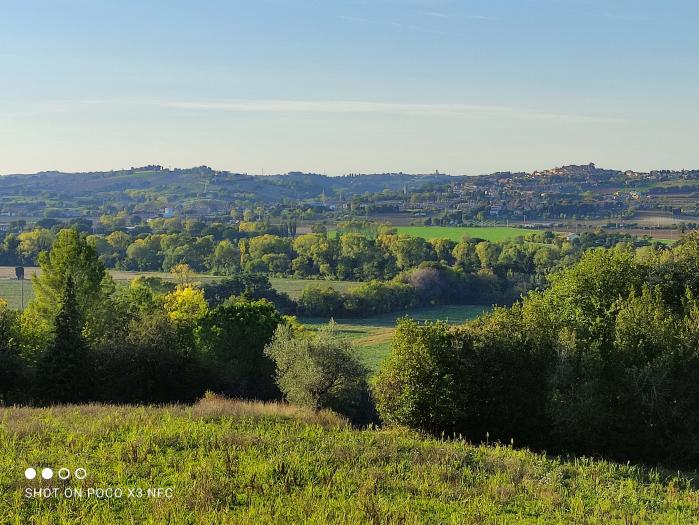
237,462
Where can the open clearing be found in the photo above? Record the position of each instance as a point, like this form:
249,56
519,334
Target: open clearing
372,335
225,461
11,288
456,233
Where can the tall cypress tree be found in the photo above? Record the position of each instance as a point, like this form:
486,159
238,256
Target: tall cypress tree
64,369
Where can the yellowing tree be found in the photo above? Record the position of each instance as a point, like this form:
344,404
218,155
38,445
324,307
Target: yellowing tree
186,305
183,273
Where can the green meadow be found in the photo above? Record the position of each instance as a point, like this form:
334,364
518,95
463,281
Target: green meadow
11,291
371,336
225,461
456,233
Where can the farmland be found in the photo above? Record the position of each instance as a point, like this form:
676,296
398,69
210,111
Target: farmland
371,336
228,461
456,233
10,287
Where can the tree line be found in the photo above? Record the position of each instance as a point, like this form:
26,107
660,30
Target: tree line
605,361
83,338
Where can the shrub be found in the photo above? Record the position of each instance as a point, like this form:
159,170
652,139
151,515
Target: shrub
377,297
321,371
320,301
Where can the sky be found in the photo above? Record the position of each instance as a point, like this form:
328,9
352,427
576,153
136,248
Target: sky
351,86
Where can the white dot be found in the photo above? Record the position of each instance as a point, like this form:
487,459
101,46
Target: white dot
30,473
47,473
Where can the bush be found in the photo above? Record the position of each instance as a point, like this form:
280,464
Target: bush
320,301
378,297
417,384
249,285
321,371
160,369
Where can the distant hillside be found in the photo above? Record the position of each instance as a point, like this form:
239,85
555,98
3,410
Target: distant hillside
150,191
204,180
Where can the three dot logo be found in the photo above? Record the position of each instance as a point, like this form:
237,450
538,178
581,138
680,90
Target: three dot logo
63,473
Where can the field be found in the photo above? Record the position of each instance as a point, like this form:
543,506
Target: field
371,336
225,461
10,287
294,287
456,233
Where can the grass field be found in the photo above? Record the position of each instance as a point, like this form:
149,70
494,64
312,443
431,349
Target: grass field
294,287
224,461
371,336
456,233
10,287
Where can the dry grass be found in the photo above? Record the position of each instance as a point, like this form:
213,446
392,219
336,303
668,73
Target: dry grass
216,407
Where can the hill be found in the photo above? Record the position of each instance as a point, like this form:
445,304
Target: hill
194,189
224,461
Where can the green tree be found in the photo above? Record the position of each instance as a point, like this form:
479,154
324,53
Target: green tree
418,384
231,339
322,371
64,373
225,260
321,301
72,257
11,364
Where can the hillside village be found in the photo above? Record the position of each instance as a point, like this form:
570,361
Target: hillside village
552,197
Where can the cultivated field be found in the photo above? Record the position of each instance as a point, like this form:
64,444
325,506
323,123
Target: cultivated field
456,233
224,461
10,287
371,336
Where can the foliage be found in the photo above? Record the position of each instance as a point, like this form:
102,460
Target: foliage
231,339
320,301
603,362
72,257
321,371
11,364
186,305
64,372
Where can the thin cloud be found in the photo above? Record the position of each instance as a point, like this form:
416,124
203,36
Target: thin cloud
625,18
369,107
391,23
448,16
318,107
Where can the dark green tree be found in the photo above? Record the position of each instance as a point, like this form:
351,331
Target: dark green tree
72,257
64,370
11,364
231,339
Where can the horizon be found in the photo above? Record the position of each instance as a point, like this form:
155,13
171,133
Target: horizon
290,172
348,86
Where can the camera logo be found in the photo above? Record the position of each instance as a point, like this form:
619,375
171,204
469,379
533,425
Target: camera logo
63,473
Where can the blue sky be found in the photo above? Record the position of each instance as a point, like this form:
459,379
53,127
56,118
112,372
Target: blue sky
463,87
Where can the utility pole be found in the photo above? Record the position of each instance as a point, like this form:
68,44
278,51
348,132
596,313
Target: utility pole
19,272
